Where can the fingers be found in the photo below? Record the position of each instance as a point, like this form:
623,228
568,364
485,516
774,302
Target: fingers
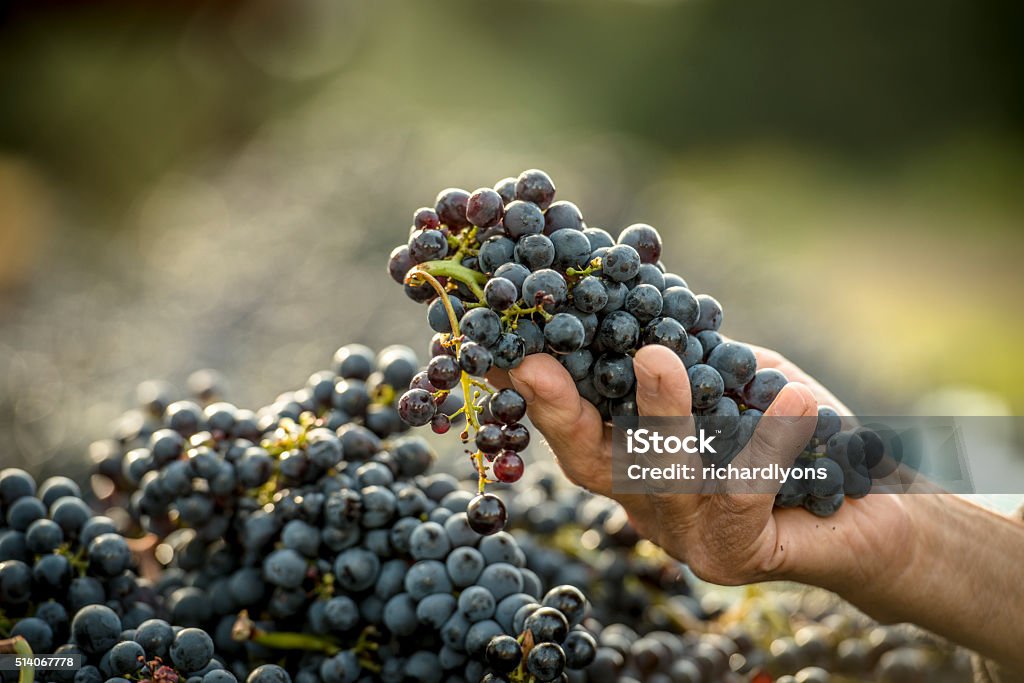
780,437
571,425
786,428
662,386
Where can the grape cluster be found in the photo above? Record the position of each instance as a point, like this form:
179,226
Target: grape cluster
69,585
192,462
310,533
363,566
508,271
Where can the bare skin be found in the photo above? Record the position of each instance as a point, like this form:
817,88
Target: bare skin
932,559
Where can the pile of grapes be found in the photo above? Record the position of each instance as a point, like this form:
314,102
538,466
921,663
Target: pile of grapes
508,272
309,541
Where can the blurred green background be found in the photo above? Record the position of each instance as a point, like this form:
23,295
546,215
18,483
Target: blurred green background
195,184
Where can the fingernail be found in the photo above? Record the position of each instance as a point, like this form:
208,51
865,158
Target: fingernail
789,405
523,387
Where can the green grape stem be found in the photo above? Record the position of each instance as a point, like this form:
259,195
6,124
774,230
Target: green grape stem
19,646
245,629
452,270
468,395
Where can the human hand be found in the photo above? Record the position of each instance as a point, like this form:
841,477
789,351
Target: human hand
726,538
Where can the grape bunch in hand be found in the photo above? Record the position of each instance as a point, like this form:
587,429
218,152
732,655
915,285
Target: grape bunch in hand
508,272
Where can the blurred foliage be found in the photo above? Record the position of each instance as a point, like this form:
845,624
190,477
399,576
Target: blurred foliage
201,183
147,83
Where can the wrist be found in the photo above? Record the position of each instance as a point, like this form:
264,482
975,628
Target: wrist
897,557
865,554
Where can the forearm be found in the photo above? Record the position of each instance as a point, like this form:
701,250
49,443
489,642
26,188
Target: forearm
961,578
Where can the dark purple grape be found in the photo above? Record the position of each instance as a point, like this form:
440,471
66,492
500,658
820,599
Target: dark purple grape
451,208
564,333
762,390
426,218
500,294
440,423
681,304
590,295
580,650
416,407
95,629
535,186
535,251
644,303
577,363
523,218
513,272
508,467
673,280
644,239
667,332
847,449
831,483
481,325
486,514
829,423
475,359
709,341
613,375
545,287
563,215
694,352
824,507
546,662
399,263
856,482
531,334
515,437
590,322
620,263
503,653
617,292
706,386
509,351
444,372
495,252
649,275
440,345
572,249
874,447
618,332
508,406
428,245
735,362
548,625
569,601
598,238
15,580
710,313
489,438
484,208
437,314
506,188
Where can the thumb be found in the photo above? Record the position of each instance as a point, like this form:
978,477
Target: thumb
781,434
